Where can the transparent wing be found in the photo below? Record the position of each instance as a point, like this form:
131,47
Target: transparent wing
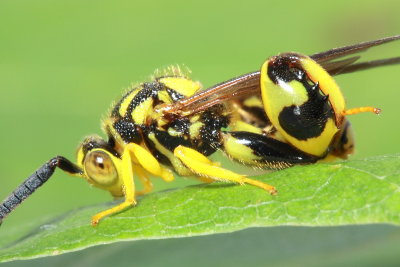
327,59
332,60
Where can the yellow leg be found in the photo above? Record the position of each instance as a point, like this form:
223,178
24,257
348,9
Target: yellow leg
125,171
150,163
360,110
202,166
205,179
134,154
144,178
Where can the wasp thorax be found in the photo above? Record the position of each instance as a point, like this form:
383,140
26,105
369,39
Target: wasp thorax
99,168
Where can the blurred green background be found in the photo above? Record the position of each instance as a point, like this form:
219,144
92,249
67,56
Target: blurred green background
62,63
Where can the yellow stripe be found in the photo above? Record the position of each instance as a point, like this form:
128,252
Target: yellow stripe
173,132
125,104
327,85
317,145
253,101
140,113
164,97
194,118
238,151
243,126
182,85
194,129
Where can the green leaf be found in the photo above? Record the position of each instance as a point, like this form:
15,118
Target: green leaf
349,192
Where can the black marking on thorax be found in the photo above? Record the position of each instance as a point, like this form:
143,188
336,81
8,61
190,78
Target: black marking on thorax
129,131
115,110
175,96
149,90
206,143
214,120
180,125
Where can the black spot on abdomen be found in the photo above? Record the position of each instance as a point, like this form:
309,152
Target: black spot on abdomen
308,120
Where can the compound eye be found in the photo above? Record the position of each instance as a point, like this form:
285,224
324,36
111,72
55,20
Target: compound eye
100,168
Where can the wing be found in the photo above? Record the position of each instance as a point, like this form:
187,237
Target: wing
326,59
248,84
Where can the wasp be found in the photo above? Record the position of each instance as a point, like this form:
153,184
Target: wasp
291,112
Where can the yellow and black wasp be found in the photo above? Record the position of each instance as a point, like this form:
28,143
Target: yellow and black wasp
290,112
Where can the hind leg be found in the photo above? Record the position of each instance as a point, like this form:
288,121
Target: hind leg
259,150
202,166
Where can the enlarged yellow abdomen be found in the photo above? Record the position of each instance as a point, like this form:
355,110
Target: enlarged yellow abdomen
302,101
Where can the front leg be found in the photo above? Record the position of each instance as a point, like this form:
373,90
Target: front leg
125,171
135,159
